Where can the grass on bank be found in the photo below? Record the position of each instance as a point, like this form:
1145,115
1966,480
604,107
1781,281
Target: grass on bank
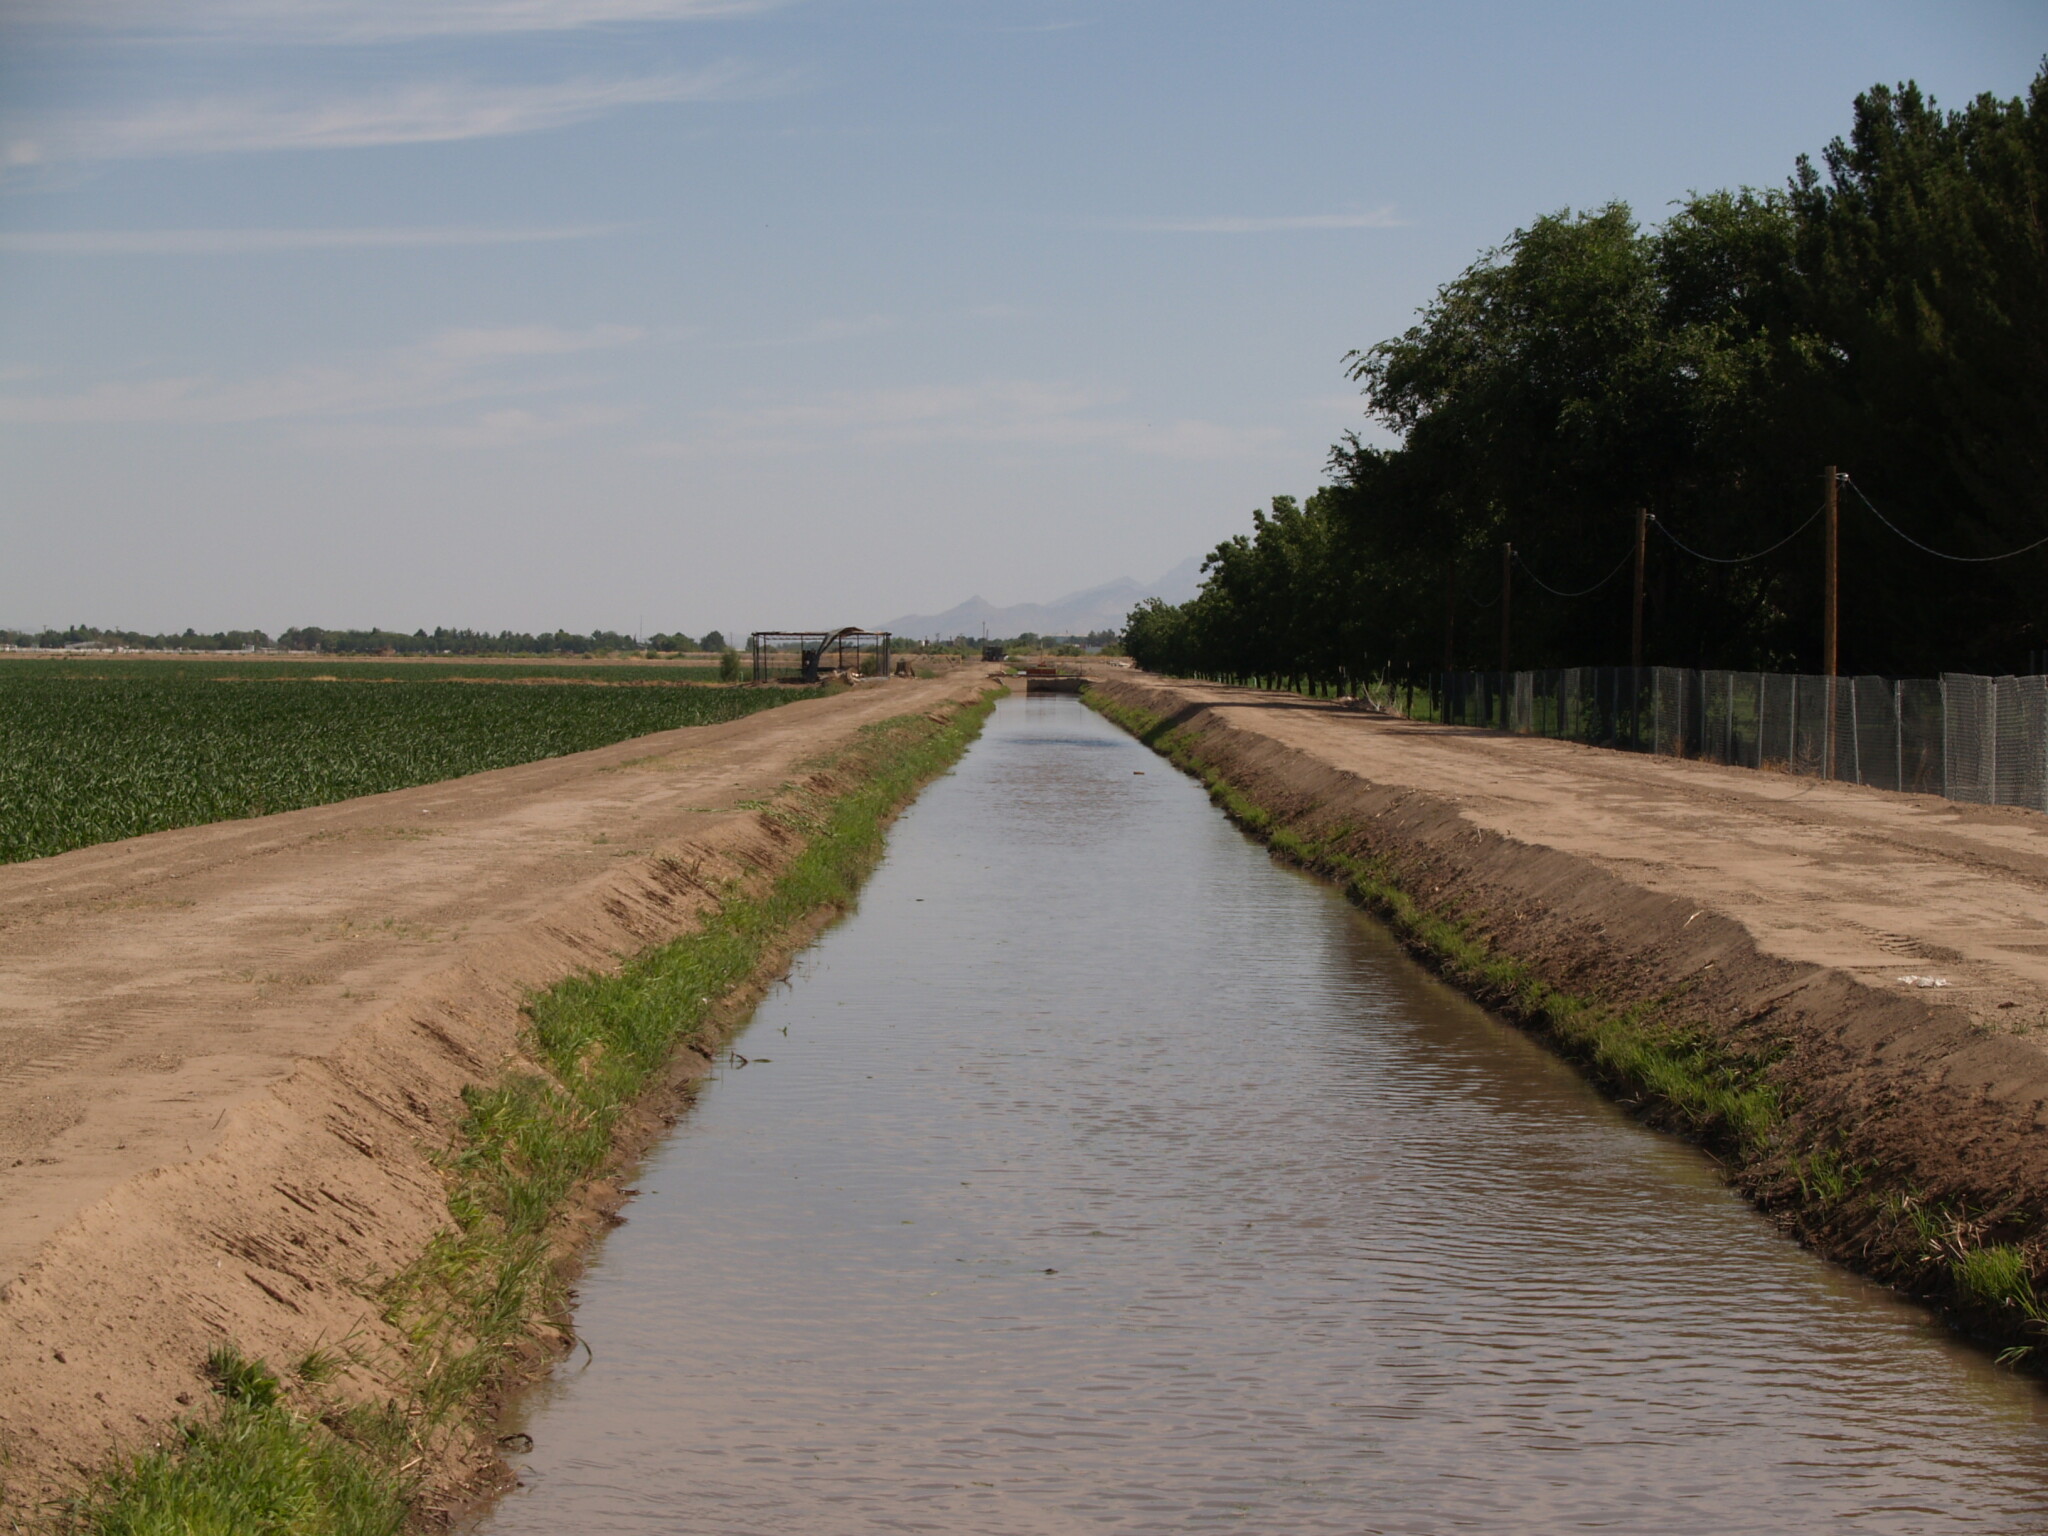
1718,1098
470,1305
259,1467
1721,1099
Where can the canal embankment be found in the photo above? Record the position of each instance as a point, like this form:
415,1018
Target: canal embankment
345,1091
1842,993
1101,1173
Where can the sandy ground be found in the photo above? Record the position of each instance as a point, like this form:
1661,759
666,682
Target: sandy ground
1882,886
227,1051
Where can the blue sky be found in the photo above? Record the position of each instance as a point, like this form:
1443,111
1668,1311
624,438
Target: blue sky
654,314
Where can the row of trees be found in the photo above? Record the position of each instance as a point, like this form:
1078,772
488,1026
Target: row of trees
134,640
1886,312
365,642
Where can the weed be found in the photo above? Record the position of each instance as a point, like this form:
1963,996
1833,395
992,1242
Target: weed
256,1467
319,1366
239,1380
1995,1276
1824,1179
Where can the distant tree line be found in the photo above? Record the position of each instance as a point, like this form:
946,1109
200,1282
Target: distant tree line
1887,312
87,634
367,642
471,642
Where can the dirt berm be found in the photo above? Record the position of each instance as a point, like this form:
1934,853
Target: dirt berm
230,1055
1843,993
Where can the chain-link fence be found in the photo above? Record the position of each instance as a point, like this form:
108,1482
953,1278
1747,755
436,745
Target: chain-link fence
1970,738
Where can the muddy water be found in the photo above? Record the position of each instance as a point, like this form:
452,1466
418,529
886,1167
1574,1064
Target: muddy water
1100,1175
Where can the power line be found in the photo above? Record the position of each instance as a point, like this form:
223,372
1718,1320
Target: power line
1938,554
1584,592
1739,559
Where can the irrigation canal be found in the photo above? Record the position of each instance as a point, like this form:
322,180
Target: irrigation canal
1101,1175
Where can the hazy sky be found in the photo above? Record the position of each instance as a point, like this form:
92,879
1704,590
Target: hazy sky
680,313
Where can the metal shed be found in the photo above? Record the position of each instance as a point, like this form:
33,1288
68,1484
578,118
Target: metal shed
818,655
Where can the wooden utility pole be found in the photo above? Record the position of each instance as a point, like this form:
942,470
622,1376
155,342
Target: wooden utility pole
1830,654
1831,601
1635,642
1507,586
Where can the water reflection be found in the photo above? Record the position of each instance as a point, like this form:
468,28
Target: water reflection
1111,1178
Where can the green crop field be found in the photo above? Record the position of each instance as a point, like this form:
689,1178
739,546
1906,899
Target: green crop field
93,751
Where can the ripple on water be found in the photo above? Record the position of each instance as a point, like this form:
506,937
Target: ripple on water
1113,1178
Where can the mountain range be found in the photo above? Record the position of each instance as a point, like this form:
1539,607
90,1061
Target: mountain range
1078,613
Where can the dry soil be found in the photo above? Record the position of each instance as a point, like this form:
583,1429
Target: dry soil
228,1053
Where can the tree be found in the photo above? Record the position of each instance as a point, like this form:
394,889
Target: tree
1926,265
1890,316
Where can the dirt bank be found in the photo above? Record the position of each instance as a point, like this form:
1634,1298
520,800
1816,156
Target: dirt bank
229,1054
1741,954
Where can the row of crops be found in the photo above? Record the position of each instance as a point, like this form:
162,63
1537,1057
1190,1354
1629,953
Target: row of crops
90,752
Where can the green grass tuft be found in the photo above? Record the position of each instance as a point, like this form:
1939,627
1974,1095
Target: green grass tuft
241,1381
319,1366
1996,1277
257,1469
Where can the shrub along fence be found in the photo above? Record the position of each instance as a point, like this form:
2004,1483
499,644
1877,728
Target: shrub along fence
1982,739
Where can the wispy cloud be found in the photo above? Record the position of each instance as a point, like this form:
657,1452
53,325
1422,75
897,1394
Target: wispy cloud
242,242
357,21
448,368
418,113
993,413
510,427
1379,218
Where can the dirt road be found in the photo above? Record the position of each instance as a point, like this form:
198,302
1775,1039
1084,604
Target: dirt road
1882,886
149,986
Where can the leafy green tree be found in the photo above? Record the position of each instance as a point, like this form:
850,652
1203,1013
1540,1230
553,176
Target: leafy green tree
1890,316
1926,259
1157,636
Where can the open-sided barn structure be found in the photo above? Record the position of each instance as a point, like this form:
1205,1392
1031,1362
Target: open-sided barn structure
817,655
